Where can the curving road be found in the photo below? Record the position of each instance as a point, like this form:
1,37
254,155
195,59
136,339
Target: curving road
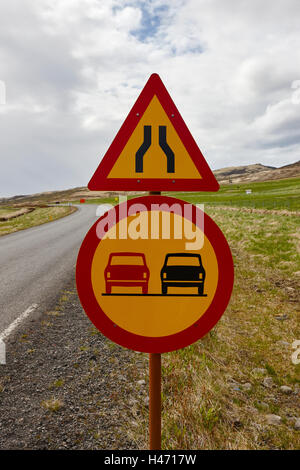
35,264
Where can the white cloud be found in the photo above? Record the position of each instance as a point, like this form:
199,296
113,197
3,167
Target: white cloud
73,69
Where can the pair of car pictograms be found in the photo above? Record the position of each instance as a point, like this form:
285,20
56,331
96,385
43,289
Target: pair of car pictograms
128,269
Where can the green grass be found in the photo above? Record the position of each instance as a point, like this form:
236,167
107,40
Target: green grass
104,200
204,403
9,210
275,195
5,210
198,401
280,194
39,216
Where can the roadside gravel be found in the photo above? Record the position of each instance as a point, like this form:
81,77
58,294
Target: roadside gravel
66,386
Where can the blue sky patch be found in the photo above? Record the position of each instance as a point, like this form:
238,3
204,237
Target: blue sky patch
150,23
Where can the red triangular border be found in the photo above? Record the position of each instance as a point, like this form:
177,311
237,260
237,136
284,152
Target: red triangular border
99,180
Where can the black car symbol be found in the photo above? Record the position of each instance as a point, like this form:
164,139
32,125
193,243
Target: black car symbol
182,270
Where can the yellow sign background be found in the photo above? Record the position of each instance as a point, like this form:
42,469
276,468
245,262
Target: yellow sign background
147,315
155,162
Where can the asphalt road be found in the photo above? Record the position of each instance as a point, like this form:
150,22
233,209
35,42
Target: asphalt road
35,264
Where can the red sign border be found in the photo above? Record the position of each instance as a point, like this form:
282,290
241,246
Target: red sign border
100,180
165,343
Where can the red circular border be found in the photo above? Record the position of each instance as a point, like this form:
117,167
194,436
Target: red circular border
163,343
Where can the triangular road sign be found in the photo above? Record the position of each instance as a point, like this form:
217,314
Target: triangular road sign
154,150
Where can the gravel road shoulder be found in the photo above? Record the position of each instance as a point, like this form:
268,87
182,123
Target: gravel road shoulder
66,386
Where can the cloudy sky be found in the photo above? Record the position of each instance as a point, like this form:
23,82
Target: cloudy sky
73,68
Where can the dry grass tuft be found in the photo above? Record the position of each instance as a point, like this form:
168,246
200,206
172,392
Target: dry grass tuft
53,404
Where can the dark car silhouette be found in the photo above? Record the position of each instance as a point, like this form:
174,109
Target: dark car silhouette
182,270
127,269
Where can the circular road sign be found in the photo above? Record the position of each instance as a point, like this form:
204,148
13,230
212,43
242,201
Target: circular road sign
154,274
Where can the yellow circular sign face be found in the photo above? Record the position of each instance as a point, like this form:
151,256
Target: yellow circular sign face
156,278
154,314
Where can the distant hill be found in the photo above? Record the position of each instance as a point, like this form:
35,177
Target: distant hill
256,172
228,175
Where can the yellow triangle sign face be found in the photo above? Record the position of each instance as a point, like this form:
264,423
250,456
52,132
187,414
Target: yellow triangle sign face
154,150
154,159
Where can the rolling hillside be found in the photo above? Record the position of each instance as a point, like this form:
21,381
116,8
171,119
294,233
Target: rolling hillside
225,176
257,172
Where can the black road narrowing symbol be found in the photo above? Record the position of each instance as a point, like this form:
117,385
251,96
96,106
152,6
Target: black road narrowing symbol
167,150
139,156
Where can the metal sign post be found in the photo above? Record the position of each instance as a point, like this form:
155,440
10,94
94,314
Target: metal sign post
154,391
154,401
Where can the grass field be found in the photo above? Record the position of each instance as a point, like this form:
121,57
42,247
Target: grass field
219,393
275,195
213,395
6,210
280,194
37,217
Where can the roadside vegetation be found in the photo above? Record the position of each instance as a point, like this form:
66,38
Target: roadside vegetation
40,215
271,195
238,388
275,195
